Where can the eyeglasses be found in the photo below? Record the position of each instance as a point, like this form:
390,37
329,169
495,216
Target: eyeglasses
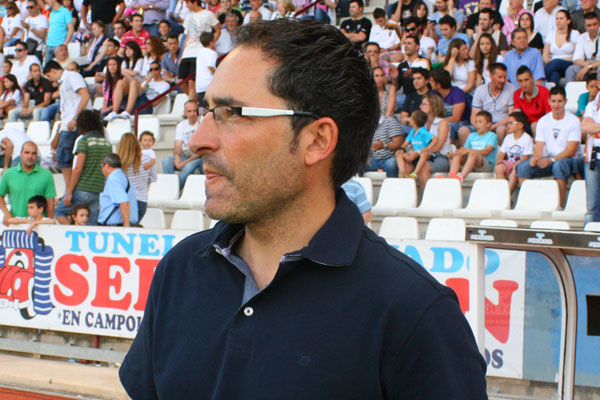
29,7
20,49
411,29
154,69
222,114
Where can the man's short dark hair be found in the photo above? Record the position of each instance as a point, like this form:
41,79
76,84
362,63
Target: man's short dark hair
413,20
173,36
373,44
22,43
590,15
50,65
359,2
114,42
88,121
112,160
121,22
39,201
448,20
523,69
424,72
317,68
520,117
496,66
415,38
164,21
442,77
378,13
517,30
590,77
206,38
486,115
558,90
34,65
136,15
487,11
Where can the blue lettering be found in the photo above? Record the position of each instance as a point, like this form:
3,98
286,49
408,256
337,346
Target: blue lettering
413,253
75,236
92,242
148,245
492,262
439,260
168,239
125,245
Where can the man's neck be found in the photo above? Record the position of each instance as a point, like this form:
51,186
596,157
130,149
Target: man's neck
593,37
411,57
529,93
591,9
26,168
559,114
137,32
444,92
36,81
56,6
423,90
495,89
522,50
357,17
517,135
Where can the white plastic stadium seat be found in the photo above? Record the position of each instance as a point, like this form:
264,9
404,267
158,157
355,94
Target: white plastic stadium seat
151,124
20,126
117,128
453,229
98,103
574,90
179,104
537,199
552,225
165,188
505,223
59,185
395,194
368,186
440,197
399,228
39,132
154,219
192,196
163,107
55,128
74,50
488,197
592,227
576,206
188,220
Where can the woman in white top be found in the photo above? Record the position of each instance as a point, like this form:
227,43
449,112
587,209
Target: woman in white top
486,54
11,97
558,51
11,24
133,64
153,52
460,66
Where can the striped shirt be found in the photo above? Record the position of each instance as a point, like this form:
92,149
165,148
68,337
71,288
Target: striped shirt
388,128
141,179
94,145
356,194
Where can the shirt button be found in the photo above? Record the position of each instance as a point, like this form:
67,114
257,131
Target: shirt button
248,311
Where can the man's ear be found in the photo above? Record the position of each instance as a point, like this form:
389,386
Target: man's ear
319,140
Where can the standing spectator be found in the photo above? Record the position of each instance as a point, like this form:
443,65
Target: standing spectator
532,99
22,63
225,41
486,54
591,127
183,159
154,11
206,64
12,140
12,96
534,38
457,105
11,25
74,98
460,66
577,16
137,33
512,17
24,181
545,16
106,11
256,5
60,28
522,54
87,180
585,57
35,29
358,27
557,139
448,30
516,148
383,33
39,89
386,140
118,205
169,61
559,48
446,8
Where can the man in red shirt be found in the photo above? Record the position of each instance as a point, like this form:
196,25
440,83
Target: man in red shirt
531,99
137,33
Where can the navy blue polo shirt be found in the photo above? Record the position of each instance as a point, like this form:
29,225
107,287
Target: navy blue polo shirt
346,317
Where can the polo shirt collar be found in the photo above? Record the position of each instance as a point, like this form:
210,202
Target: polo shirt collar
335,244
535,93
36,168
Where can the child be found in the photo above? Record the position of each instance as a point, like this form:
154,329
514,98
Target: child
516,148
80,213
591,84
479,152
206,64
36,206
418,138
147,141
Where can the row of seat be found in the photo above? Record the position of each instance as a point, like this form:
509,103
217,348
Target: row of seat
182,219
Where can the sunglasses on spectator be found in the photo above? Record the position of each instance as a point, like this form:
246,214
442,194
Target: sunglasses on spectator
29,7
411,29
155,69
17,49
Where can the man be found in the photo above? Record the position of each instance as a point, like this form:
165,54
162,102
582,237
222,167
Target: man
448,31
107,11
446,8
545,18
39,89
274,181
383,33
387,139
169,62
577,17
402,13
137,33
403,73
256,5
412,102
225,41
586,57
119,29
24,181
495,97
254,16
74,98
183,159
590,126
357,28
118,205
22,63
87,180
473,20
427,46
522,54
60,28
11,141
458,106
485,26
62,56
153,11
112,47
35,27
557,140
532,99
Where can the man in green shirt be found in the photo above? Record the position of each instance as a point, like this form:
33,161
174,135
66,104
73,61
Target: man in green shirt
24,181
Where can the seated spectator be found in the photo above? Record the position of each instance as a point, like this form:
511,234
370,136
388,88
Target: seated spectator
111,51
512,17
39,89
387,93
386,140
36,207
22,63
578,15
35,29
592,86
545,17
427,46
402,13
591,128
206,64
60,29
384,33
356,194
402,74
183,159
473,19
532,99
413,100
62,56
420,14
11,25
254,16
458,106
153,52
412,157
256,5
119,30
585,56
486,54
522,54
285,9
94,50
137,33
534,38
557,140
118,205
358,27
169,61
446,8
496,98
559,49
12,97
164,30
448,31
460,66
479,151
486,26
225,41
516,148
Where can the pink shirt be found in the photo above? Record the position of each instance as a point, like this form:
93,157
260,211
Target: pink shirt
509,24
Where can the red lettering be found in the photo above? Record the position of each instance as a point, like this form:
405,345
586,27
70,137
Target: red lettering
71,279
146,272
105,282
461,287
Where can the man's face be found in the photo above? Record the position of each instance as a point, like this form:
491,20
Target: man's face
592,87
447,31
588,4
441,5
33,8
411,29
355,10
36,72
173,45
155,70
28,155
484,21
419,81
591,26
111,49
164,29
137,24
105,170
525,81
484,4
191,112
119,30
255,4
231,23
381,21
252,171
520,41
21,51
372,51
557,103
550,4
61,52
498,78
410,47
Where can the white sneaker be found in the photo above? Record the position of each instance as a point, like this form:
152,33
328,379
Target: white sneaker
111,116
124,115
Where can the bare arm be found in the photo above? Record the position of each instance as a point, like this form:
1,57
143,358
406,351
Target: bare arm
75,175
457,111
5,211
124,207
589,127
7,153
391,101
70,31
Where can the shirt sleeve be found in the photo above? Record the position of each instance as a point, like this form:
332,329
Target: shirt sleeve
574,130
492,140
579,54
116,189
478,97
528,147
67,16
82,146
4,184
538,66
468,144
77,82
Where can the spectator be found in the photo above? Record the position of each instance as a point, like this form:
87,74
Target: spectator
94,50
256,5
446,8
403,73
592,86
39,89
206,64
60,28
11,140
35,29
413,100
585,57
457,105
119,29
225,41
106,11
164,30
22,63
356,194
534,38
254,16
383,33
412,156
214,6
420,14
80,214
532,99
183,159
496,98
132,163
448,30
153,11
590,127
460,66
132,66
557,140
74,98
545,16
513,17
522,54
387,93
147,142
36,207
401,15
112,50
12,96
62,56
486,25
486,54
559,49
577,16
137,33
118,204
24,181
11,25
153,52
87,180
169,61
473,20
358,27
386,140
516,148
427,46
285,9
